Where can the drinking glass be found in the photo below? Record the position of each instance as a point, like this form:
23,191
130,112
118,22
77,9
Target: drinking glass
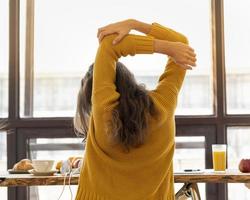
219,157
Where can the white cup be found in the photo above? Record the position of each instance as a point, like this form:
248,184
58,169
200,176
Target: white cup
43,165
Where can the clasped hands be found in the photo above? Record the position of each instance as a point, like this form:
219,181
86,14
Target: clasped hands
181,53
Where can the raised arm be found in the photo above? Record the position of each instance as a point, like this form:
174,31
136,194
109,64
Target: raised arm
104,92
171,80
155,29
104,89
164,40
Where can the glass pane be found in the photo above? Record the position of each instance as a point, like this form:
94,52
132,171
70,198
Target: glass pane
238,148
188,151
4,57
65,45
3,162
237,52
22,52
52,192
57,149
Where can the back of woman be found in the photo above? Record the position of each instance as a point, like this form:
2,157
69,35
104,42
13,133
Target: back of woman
130,131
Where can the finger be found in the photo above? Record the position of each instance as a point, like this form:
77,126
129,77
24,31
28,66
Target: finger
191,49
118,38
99,31
191,53
192,59
191,63
187,67
103,34
184,66
104,28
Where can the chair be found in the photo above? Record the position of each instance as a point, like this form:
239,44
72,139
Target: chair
188,190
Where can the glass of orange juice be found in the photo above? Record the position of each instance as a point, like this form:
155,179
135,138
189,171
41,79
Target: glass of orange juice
219,157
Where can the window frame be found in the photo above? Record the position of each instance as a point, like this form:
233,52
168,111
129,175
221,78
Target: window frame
213,127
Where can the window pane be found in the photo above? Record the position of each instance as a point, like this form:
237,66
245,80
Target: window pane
52,192
237,52
3,162
56,149
4,57
22,52
65,45
238,148
190,150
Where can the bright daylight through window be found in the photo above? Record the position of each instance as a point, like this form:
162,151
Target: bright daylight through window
237,53
4,57
62,31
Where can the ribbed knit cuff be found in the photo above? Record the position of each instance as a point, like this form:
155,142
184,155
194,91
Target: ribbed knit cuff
163,33
156,30
144,44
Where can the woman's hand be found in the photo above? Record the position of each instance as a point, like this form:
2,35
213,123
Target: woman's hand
182,54
122,28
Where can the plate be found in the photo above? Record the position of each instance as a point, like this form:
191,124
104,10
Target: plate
49,173
12,171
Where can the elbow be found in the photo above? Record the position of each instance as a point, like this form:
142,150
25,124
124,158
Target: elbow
107,47
107,41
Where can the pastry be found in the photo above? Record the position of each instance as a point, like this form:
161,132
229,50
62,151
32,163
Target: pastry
24,165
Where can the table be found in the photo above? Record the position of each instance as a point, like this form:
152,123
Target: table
231,176
190,180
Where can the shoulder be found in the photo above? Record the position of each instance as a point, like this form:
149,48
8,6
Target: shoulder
163,113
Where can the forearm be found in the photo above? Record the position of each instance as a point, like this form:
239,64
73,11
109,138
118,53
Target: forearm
158,31
140,26
161,46
164,33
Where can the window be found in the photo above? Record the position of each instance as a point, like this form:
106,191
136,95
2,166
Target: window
52,192
58,42
60,58
238,148
190,150
237,66
56,149
3,161
4,57
237,52
4,60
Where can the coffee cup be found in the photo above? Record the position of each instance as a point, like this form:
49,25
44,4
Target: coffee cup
43,165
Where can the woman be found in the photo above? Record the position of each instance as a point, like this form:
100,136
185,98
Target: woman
129,130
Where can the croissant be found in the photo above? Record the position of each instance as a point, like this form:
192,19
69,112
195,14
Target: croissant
24,164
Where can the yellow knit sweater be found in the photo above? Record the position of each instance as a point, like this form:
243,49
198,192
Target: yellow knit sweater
145,173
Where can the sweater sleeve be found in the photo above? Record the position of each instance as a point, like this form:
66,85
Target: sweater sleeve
171,79
164,33
104,93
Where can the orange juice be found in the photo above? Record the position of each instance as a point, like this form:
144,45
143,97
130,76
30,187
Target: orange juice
219,160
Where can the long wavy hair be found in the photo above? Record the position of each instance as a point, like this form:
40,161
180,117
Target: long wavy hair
129,119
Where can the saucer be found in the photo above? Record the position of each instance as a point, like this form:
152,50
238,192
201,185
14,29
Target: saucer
49,173
12,171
